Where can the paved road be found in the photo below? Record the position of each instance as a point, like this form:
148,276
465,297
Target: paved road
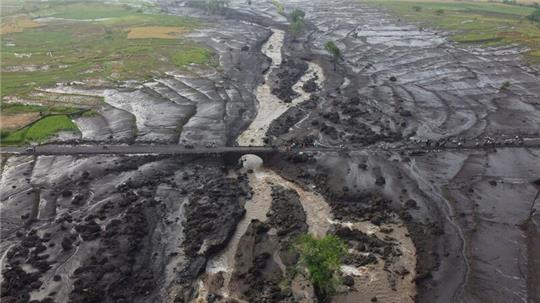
172,149
130,149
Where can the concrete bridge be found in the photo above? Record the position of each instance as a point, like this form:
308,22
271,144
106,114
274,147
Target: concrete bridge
229,154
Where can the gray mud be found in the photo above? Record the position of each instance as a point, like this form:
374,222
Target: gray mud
438,206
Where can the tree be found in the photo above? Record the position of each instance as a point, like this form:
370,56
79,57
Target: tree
297,15
322,260
334,51
297,22
296,28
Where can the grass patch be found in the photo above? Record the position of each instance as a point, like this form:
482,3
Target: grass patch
194,55
40,130
486,23
121,43
155,32
15,108
90,113
16,24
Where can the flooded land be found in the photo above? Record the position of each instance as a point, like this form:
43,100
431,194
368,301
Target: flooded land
190,151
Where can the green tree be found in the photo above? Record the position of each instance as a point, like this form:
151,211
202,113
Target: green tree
322,259
296,28
334,51
297,15
297,22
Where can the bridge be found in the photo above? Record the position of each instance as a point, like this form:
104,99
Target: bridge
263,151
230,154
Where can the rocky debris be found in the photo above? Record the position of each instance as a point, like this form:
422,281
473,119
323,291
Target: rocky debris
285,77
117,271
19,282
343,121
367,206
281,125
425,237
89,230
212,215
411,204
367,249
348,281
311,85
370,244
116,231
286,214
257,276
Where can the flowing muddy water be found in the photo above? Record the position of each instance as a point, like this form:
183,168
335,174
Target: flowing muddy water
372,279
261,180
270,106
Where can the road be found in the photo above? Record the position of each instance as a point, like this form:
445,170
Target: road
174,149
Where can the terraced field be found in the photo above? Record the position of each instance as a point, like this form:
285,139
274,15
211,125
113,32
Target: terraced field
489,24
95,44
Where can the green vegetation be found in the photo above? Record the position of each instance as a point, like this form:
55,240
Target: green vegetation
40,130
505,85
280,8
65,50
322,259
194,55
334,51
297,22
488,23
535,16
92,41
90,113
15,108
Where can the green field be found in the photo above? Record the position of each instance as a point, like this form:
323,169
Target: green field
71,50
87,41
40,130
487,23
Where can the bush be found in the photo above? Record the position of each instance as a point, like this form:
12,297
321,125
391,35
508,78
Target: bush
322,259
417,8
280,8
535,16
439,12
505,85
297,15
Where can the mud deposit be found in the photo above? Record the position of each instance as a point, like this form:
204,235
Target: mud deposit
432,189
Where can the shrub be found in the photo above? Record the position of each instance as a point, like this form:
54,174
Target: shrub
417,8
439,12
535,16
505,85
297,15
322,259
333,50
280,8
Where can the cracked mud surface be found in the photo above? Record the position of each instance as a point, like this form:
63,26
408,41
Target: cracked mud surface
435,225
